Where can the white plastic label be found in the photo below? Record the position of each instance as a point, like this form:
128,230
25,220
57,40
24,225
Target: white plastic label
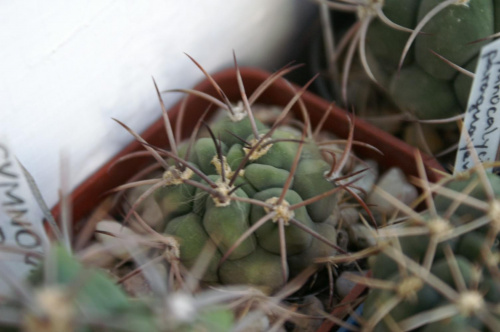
21,221
482,118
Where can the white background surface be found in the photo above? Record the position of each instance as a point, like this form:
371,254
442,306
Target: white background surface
68,67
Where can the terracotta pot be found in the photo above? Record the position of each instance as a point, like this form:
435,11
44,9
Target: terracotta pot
395,152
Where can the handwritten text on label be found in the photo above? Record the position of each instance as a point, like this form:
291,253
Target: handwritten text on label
482,119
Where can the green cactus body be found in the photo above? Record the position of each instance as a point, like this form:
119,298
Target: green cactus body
434,99
190,230
443,271
225,224
462,83
449,34
204,152
496,4
281,154
226,129
471,246
263,177
452,29
195,216
260,268
401,12
310,181
175,200
235,155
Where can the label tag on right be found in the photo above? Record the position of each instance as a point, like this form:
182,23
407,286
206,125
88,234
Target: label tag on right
481,130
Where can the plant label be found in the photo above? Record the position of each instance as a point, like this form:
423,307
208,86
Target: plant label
480,132
22,234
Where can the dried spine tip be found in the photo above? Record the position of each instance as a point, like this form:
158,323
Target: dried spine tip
56,314
262,147
282,210
173,176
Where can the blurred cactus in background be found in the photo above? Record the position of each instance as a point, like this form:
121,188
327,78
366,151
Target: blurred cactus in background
420,55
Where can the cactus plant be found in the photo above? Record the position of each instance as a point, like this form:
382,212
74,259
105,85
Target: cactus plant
260,194
439,271
422,54
453,31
